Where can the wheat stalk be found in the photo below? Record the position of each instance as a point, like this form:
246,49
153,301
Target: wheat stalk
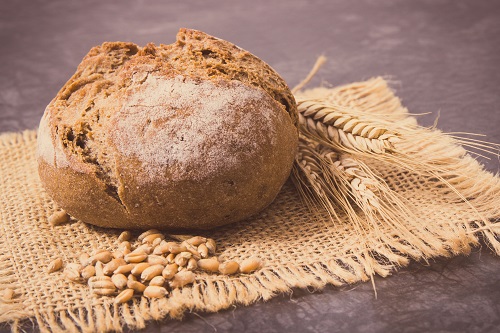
324,177
339,180
425,151
345,125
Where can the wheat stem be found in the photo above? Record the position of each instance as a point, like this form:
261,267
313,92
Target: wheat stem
317,65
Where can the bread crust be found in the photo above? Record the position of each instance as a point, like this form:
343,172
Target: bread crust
169,137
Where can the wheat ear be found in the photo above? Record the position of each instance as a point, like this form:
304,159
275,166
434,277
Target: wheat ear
381,207
344,128
408,147
341,183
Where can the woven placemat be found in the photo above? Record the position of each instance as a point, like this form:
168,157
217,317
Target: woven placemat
300,248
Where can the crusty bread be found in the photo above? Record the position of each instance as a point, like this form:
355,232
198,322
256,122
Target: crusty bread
191,135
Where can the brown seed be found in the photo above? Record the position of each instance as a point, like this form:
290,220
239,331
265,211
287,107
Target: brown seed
119,280
101,286
182,258
209,265
249,265
7,295
132,277
192,264
139,268
176,248
125,296
104,257
118,254
99,269
181,279
95,279
84,258
146,248
211,245
124,246
171,258
157,281
88,272
125,236
196,240
124,269
161,249
229,267
147,233
155,292
156,242
151,272
55,265
58,218
203,251
96,251
192,249
136,285
136,257
169,271
155,260
72,272
111,266
149,239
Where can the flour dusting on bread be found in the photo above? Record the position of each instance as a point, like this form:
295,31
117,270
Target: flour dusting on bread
184,125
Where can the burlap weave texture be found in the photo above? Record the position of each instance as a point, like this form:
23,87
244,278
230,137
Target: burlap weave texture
299,248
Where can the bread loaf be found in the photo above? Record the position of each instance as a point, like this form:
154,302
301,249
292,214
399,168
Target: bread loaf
191,135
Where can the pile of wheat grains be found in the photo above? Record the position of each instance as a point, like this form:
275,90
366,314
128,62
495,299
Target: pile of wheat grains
150,265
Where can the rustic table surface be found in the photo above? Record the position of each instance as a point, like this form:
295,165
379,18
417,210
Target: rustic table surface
443,57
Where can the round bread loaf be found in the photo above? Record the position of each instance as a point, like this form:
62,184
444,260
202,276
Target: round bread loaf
191,135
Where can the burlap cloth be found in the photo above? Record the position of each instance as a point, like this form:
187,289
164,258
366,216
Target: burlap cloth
299,248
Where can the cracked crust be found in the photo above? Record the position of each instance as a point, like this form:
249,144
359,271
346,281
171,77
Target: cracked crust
172,136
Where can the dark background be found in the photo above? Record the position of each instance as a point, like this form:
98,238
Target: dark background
442,57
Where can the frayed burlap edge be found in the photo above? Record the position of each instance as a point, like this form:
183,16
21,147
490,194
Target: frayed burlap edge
11,310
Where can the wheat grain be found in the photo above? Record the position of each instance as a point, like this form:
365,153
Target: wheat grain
209,265
151,272
55,265
157,281
125,296
125,236
58,218
211,246
7,295
169,271
229,267
249,265
182,279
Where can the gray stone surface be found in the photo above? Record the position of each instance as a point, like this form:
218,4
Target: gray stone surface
443,57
